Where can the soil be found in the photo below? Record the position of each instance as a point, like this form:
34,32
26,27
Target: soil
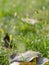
27,63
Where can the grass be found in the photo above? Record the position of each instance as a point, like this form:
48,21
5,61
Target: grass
26,36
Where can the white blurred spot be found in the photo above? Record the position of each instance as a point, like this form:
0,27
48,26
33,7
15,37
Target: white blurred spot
15,63
30,21
43,7
15,14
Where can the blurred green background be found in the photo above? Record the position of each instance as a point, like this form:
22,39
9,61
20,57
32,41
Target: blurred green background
26,36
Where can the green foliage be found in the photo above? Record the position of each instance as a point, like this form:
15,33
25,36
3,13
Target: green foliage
26,36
